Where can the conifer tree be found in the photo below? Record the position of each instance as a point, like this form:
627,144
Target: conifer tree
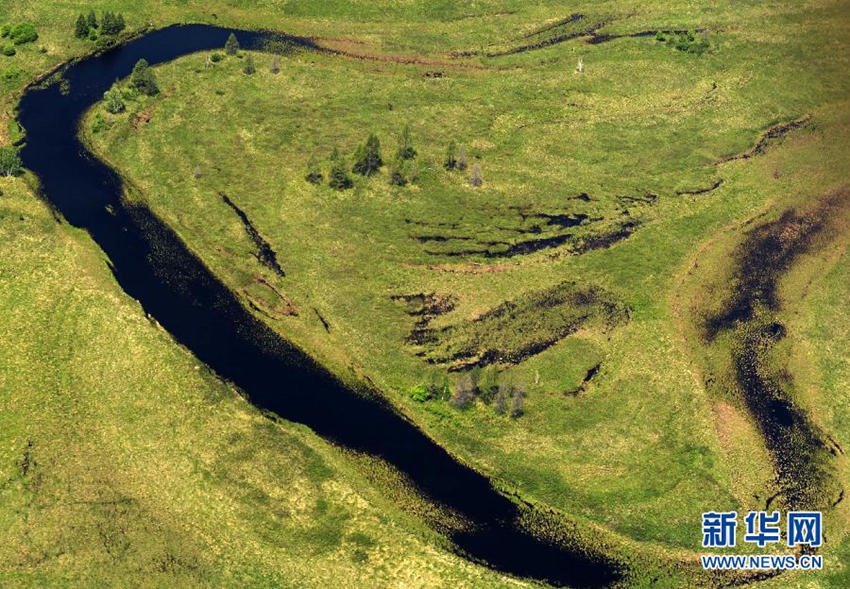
314,172
405,146
249,68
92,20
231,47
81,30
461,158
450,162
475,178
143,78
339,179
368,157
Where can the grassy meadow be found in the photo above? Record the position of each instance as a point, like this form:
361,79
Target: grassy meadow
603,232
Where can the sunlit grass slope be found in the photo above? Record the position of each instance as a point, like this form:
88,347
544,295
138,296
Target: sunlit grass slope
125,463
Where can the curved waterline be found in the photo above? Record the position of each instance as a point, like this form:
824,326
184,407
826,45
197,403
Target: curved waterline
153,266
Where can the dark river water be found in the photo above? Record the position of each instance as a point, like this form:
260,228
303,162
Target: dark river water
153,266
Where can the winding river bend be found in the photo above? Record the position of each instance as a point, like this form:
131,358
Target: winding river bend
153,266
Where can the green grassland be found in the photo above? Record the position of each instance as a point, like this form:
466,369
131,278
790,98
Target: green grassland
640,449
125,463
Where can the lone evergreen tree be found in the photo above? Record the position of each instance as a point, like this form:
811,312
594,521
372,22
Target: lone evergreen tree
405,147
314,172
451,161
232,45
339,179
461,158
108,23
475,178
81,30
249,68
397,173
10,162
368,157
92,20
143,78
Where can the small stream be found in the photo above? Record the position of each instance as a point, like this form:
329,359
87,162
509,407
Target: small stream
153,266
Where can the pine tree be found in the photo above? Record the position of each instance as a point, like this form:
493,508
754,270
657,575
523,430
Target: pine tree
231,47
368,157
461,158
397,173
107,23
92,20
143,78
314,172
249,68
405,147
475,178
339,179
81,31
451,161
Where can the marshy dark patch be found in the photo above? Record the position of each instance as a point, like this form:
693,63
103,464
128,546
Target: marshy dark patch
588,376
800,452
323,321
265,254
518,329
770,136
560,23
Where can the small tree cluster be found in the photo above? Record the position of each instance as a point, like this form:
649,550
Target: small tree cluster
688,41
500,391
10,162
143,78
231,46
111,23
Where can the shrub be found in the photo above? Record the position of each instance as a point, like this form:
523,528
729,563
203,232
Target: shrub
23,33
231,47
420,393
99,123
9,50
113,101
216,57
10,162
92,35
143,78
5,30
367,159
